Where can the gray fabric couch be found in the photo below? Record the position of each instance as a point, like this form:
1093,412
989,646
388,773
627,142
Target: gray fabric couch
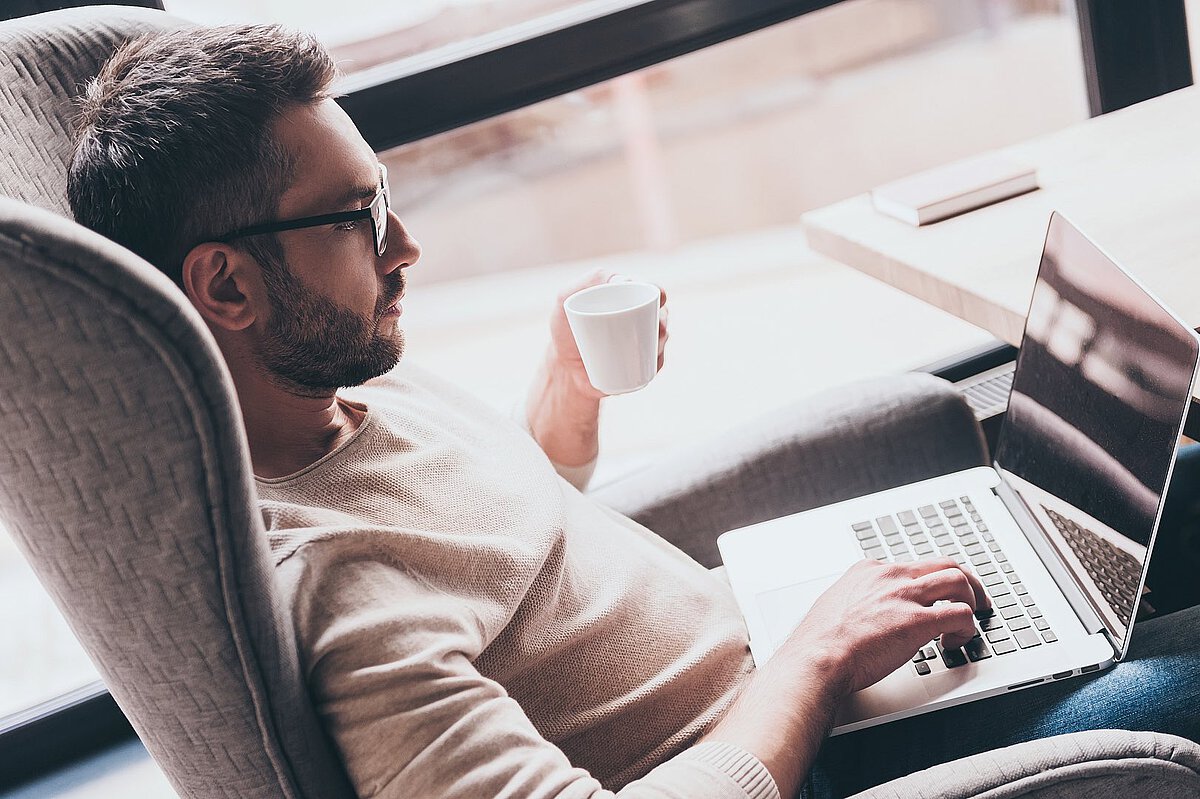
125,480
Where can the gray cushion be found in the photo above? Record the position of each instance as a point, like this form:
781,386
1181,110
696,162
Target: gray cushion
44,62
1103,764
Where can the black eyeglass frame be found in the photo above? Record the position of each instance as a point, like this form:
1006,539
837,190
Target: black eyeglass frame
375,211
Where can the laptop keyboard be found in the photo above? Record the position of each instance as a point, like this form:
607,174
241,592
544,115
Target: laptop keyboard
953,528
1116,573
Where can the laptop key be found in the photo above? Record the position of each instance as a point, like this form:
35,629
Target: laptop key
1027,601
928,511
907,517
974,549
977,650
1011,611
953,658
1019,623
1049,637
997,590
1004,647
1006,601
979,560
992,579
922,668
996,636
923,549
876,553
904,558
984,569
1034,611
1027,639
1019,588
1007,567
887,524
993,623
1041,624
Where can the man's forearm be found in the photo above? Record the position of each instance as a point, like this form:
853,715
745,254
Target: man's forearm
564,420
783,714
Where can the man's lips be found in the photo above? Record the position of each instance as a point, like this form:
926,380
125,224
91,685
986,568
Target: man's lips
394,308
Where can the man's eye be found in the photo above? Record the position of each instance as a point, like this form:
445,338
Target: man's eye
353,224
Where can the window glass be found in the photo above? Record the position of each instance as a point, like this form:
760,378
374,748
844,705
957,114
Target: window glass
741,136
42,658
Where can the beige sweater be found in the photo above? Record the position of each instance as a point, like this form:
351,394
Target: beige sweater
472,626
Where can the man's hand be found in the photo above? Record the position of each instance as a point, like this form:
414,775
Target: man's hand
868,624
877,615
563,408
563,355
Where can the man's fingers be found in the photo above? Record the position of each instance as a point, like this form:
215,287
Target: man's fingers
922,567
982,600
949,585
955,622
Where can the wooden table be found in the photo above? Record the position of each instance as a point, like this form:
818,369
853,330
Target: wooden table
1130,180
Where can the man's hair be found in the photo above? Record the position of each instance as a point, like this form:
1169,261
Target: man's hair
175,139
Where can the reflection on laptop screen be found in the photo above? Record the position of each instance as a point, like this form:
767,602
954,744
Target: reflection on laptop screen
1102,384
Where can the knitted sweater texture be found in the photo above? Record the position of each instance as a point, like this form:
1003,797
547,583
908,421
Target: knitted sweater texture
471,625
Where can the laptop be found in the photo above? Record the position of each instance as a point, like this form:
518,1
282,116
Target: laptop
1059,528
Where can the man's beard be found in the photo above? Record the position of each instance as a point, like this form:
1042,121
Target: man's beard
311,344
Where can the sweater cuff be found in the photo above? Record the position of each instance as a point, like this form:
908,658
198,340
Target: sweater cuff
739,765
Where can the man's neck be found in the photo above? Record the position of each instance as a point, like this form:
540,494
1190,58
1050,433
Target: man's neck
288,431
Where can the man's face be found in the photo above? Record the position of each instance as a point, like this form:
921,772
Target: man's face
333,319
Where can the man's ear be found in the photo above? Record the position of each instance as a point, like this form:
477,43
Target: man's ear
224,284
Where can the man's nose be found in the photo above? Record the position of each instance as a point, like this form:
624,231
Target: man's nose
402,249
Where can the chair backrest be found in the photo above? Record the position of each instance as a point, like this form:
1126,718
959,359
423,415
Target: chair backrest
124,471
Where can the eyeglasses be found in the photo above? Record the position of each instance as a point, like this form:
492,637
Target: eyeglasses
376,211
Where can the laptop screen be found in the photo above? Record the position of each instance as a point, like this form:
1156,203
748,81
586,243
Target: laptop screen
1102,384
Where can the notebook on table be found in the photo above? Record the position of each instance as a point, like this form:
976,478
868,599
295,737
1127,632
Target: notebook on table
1059,528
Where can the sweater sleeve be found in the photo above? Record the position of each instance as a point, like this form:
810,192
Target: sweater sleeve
389,663
578,476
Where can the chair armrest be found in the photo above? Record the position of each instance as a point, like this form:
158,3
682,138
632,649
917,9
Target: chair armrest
852,440
1100,764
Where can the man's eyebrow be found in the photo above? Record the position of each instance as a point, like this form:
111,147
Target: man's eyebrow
360,195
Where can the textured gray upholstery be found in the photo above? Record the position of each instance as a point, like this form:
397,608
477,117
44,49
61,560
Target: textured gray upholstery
44,60
843,443
1104,764
125,480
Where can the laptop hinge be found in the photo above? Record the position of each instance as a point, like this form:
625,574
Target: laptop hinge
1088,614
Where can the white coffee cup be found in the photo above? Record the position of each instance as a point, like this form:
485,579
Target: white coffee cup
616,328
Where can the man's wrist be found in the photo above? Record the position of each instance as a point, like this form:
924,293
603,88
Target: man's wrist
563,418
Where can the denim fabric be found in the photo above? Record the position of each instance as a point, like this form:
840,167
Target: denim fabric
1156,688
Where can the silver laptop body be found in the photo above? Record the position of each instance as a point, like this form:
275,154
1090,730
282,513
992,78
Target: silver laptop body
1069,508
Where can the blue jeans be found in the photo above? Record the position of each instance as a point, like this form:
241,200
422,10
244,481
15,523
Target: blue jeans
1157,686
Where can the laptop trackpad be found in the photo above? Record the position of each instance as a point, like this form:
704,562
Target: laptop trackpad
783,608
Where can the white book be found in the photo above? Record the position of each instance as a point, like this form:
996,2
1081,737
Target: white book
952,189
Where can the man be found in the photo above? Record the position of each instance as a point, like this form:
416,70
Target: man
470,623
